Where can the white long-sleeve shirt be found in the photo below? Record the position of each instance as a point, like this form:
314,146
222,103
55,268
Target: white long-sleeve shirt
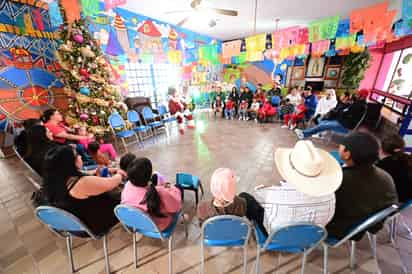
325,105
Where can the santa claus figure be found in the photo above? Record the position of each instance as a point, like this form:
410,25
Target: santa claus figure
178,109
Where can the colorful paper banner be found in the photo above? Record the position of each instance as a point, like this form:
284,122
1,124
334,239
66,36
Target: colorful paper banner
343,28
256,43
345,42
323,29
231,48
174,56
254,56
71,9
110,4
90,7
320,47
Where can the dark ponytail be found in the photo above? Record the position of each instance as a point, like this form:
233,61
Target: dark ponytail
140,174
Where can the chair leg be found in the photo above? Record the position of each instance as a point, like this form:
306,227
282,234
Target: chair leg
408,236
245,259
106,255
70,252
257,259
197,196
325,258
170,255
353,255
305,255
202,257
372,241
135,249
124,145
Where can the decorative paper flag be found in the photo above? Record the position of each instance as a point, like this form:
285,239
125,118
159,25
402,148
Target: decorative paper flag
146,58
54,14
287,37
113,46
110,4
254,56
367,16
256,43
72,10
359,45
208,53
331,52
406,17
384,30
174,56
303,36
231,48
343,28
241,58
90,7
323,29
345,42
320,47
38,19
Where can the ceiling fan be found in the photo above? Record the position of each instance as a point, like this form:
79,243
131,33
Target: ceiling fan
199,6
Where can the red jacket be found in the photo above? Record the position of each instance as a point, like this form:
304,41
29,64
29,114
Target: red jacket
176,106
230,105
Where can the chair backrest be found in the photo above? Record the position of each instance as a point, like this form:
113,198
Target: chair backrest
362,119
275,100
116,121
405,205
296,237
226,230
185,179
60,220
369,222
162,110
147,113
135,220
133,116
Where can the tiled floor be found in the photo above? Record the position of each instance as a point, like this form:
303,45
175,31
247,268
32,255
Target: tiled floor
26,246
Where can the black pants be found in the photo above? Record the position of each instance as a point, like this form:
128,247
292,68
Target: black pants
254,211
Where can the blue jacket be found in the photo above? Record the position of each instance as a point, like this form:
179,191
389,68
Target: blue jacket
311,102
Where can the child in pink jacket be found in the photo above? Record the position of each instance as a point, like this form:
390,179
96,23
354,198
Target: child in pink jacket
161,202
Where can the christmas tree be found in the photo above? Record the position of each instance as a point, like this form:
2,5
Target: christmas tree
86,75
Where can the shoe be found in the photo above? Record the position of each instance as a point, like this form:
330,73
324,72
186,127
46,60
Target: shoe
284,126
299,134
292,127
240,118
182,131
256,120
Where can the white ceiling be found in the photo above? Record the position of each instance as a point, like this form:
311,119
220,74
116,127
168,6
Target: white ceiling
290,13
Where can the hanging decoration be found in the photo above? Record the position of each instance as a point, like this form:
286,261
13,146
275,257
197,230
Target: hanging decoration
345,42
405,27
320,47
110,4
54,14
343,28
323,29
90,7
231,48
174,56
254,56
256,43
71,9
113,47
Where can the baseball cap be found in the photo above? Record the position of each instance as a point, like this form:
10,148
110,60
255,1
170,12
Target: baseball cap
364,147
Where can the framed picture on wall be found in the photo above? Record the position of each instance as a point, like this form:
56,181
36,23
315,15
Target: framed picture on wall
315,67
298,73
332,73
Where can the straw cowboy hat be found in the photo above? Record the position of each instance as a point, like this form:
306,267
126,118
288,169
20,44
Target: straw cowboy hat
311,170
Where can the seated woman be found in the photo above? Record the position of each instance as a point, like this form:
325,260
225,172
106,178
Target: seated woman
266,111
312,176
325,105
226,202
141,191
39,141
87,197
398,164
291,120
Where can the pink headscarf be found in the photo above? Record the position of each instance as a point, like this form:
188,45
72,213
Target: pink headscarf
223,184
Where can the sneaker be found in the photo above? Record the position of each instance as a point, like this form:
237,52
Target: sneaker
284,126
240,118
299,134
256,120
292,126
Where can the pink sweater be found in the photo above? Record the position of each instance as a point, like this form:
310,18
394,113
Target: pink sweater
169,196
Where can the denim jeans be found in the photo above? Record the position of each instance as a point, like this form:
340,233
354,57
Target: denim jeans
229,113
325,125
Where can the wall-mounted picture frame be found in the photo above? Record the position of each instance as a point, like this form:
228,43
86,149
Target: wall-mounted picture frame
315,67
332,73
298,73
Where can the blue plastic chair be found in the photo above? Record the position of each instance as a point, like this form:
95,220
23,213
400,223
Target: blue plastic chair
136,221
291,238
189,182
67,225
133,117
398,219
150,118
225,230
368,223
335,155
118,126
165,115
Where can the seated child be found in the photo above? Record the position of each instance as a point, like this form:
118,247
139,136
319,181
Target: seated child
226,202
243,110
286,107
104,148
254,109
266,111
230,109
218,105
128,158
160,202
100,158
291,120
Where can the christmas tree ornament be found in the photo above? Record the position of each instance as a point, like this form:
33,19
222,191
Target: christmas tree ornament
87,52
79,60
78,38
84,117
68,46
85,91
76,75
84,73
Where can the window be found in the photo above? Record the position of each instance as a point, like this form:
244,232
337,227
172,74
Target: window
152,80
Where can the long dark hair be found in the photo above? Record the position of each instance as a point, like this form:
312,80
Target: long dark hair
140,174
48,114
394,145
37,140
59,167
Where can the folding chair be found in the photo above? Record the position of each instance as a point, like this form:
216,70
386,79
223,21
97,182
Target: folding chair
118,126
136,221
165,115
189,182
368,223
33,177
291,238
398,219
225,230
151,119
133,117
67,225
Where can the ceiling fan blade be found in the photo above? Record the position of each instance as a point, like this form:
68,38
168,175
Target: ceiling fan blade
218,11
181,23
177,11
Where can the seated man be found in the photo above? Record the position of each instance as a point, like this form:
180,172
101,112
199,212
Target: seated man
312,177
365,188
346,119
311,102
